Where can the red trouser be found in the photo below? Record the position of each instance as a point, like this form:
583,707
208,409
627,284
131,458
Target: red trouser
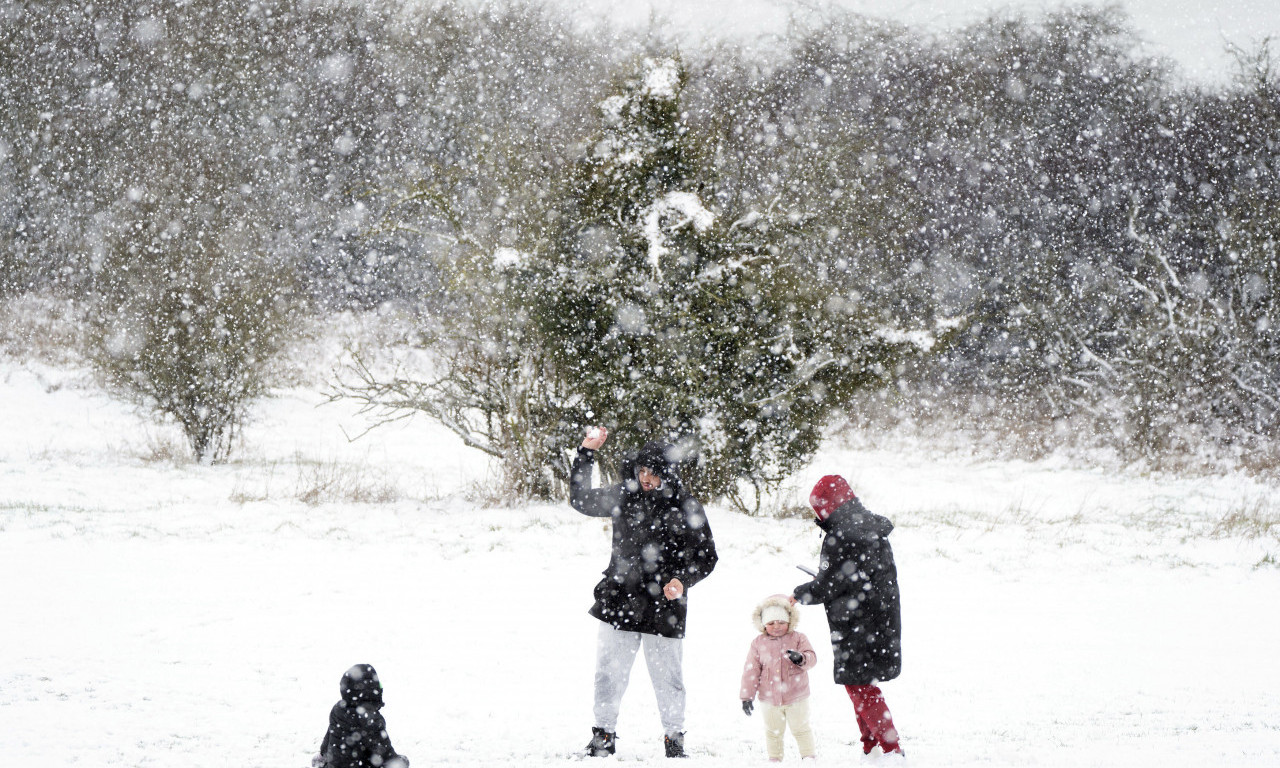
874,719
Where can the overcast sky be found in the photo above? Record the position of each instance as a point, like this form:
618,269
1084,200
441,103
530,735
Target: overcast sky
1194,33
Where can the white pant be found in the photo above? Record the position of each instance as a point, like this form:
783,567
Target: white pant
616,654
776,720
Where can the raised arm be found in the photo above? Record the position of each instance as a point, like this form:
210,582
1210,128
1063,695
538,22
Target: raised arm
593,502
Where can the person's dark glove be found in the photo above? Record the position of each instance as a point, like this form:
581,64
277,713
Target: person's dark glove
747,706
796,657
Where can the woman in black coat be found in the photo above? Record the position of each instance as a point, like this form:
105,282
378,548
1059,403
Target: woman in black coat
857,582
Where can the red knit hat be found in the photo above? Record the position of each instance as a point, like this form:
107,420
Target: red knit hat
829,493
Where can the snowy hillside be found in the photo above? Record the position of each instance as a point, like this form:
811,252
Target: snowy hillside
166,614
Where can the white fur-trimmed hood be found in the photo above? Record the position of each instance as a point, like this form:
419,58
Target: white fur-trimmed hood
793,612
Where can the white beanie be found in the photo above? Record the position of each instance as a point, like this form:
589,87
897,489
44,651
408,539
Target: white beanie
773,613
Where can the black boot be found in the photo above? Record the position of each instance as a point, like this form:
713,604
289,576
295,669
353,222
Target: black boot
601,744
674,745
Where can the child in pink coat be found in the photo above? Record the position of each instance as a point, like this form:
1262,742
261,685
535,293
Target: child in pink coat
776,672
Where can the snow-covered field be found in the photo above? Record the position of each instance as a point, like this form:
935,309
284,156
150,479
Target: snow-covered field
163,614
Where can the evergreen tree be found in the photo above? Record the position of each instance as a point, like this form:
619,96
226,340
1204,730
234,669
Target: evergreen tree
678,321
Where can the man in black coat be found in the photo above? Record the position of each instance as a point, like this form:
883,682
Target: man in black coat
357,734
857,581
662,546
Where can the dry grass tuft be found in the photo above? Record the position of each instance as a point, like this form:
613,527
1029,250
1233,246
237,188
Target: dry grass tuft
165,448
332,482
1260,520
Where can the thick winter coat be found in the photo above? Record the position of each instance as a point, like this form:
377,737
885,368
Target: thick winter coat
357,735
768,674
658,535
857,581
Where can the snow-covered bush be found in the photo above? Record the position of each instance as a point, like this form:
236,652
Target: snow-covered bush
1193,361
188,304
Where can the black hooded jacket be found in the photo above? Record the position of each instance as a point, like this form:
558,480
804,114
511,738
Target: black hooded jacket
857,581
357,735
657,536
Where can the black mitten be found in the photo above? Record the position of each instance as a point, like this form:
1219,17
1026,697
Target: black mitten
747,706
796,657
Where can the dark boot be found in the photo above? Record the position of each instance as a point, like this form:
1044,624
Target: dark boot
601,744
674,745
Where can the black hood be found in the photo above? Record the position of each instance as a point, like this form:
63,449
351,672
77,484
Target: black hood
855,521
360,685
661,459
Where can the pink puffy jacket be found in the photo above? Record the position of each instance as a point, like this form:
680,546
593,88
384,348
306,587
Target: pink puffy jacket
768,674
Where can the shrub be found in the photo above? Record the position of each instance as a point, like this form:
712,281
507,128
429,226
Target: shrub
188,309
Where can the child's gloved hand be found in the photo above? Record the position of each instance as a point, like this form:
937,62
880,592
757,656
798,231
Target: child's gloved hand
747,706
796,657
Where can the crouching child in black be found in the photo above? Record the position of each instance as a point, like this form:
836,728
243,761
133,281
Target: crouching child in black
357,735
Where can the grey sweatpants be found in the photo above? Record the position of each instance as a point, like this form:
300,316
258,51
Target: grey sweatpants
616,654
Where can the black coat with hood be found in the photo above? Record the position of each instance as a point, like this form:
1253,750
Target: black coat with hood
857,581
658,535
357,735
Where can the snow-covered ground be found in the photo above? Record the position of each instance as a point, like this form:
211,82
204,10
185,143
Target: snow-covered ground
163,614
